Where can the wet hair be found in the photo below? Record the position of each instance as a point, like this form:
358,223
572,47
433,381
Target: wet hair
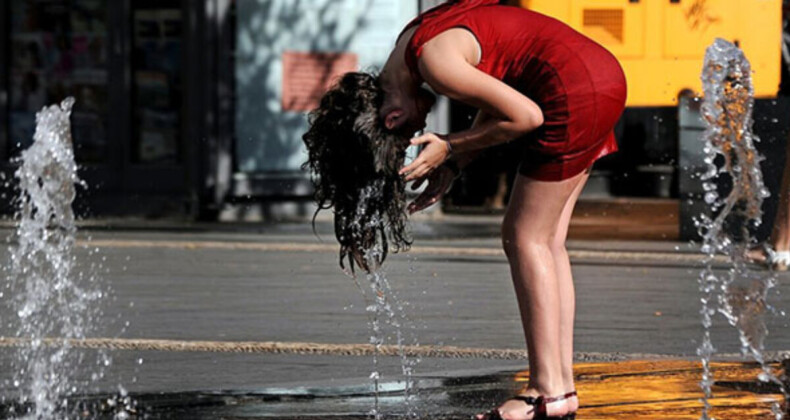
354,162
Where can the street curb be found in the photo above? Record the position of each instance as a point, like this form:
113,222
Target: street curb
327,349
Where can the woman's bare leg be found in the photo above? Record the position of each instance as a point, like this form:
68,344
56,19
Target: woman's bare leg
567,292
780,236
780,233
528,233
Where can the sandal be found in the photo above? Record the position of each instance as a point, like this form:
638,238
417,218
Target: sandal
571,415
780,260
773,260
539,403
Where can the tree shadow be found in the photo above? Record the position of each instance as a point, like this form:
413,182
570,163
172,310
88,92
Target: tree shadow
267,137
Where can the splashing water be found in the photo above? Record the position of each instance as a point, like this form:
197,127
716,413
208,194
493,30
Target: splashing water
739,295
53,302
383,304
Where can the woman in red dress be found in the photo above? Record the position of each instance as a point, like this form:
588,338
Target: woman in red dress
535,81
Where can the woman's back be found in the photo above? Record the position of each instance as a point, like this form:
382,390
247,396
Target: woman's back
524,49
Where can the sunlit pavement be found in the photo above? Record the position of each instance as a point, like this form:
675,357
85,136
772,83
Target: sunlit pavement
669,390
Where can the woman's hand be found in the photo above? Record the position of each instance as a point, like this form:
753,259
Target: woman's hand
439,182
436,152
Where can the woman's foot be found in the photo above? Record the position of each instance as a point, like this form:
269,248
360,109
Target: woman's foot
573,401
780,261
768,257
760,254
515,409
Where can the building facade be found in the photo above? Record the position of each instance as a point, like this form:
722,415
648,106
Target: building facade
192,107
184,106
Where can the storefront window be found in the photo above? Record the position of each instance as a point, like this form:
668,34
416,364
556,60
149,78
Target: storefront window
157,77
59,49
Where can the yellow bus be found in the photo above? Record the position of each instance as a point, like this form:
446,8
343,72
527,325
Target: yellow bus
661,43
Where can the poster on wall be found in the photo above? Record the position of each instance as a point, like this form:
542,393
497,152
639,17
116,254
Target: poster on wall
306,76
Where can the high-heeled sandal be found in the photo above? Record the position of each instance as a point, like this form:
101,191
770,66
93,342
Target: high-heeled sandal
572,415
780,260
538,402
772,260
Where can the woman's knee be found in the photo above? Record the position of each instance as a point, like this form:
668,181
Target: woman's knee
518,240
557,245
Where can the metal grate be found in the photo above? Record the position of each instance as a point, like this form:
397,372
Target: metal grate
608,20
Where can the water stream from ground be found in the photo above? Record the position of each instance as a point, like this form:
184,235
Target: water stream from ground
53,301
387,318
735,192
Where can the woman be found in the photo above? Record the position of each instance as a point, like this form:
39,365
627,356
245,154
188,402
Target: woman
535,81
775,252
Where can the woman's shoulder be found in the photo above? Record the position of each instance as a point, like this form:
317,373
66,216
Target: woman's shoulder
476,15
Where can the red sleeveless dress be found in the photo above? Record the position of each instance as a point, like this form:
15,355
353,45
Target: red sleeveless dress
578,84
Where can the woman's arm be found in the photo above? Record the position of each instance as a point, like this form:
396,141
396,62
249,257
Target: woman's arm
440,180
446,65
464,159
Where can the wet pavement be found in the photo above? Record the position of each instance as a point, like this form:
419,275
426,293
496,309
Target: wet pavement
621,390
209,313
639,389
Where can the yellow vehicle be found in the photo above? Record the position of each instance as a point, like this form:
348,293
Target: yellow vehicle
661,43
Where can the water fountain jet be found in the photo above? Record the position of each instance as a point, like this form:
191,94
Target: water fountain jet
740,295
54,303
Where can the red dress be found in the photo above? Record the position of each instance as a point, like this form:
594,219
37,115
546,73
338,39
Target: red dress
578,84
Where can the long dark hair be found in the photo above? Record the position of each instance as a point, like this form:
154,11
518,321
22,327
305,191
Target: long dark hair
354,163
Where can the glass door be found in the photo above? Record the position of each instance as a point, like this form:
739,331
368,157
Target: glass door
123,62
58,49
155,153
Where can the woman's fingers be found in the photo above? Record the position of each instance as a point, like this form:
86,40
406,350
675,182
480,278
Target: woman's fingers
418,183
425,138
430,196
433,154
419,172
416,170
420,203
410,167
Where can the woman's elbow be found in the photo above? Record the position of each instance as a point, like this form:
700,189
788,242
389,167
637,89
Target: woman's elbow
531,121
536,120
